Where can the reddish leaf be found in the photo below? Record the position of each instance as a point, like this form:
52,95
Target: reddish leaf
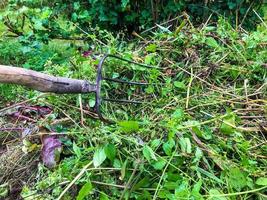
51,150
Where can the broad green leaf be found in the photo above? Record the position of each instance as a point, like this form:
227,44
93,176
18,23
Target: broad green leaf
110,151
215,195
182,191
179,85
149,153
178,114
85,191
159,165
185,145
91,103
228,124
129,126
237,179
151,48
117,163
262,181
99,157
167,147
206,134
211,42
155,143
197,187
103,196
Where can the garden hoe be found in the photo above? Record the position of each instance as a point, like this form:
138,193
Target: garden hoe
60,85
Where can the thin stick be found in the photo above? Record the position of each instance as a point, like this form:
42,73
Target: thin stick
260,18
109,184
195,76
246,89
81,109
162,24
130,180
166,167
237,193
188,89
74,180
20,103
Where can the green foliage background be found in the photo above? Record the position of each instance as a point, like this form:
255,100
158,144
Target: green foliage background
45,17
192,142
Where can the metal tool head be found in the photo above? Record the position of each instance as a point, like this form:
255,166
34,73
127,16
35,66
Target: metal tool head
100,77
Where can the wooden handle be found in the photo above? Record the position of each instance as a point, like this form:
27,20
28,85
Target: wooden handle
43,82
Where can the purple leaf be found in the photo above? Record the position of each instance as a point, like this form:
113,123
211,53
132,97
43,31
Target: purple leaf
51,150
86,53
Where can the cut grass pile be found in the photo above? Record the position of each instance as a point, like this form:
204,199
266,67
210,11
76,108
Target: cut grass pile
202,136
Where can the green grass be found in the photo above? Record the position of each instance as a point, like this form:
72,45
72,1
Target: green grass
201,136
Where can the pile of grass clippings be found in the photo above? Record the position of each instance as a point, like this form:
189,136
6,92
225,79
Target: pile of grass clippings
202,136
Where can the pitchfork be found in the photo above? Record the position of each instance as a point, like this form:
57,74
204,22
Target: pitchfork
47,83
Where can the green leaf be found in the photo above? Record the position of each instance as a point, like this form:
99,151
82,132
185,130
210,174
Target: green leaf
3,191
211,42
85,191
159,165
262,181
123,169
179,85
155,143
206,134
144,182
151,48
99,157
149,153
215,195
197,187
178,114
129,126
210,175
91,103
237,179
103,196
185,145
110,151
124,3
167,147
228,124
182,190
76,150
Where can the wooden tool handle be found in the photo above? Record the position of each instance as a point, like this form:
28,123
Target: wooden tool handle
43,82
